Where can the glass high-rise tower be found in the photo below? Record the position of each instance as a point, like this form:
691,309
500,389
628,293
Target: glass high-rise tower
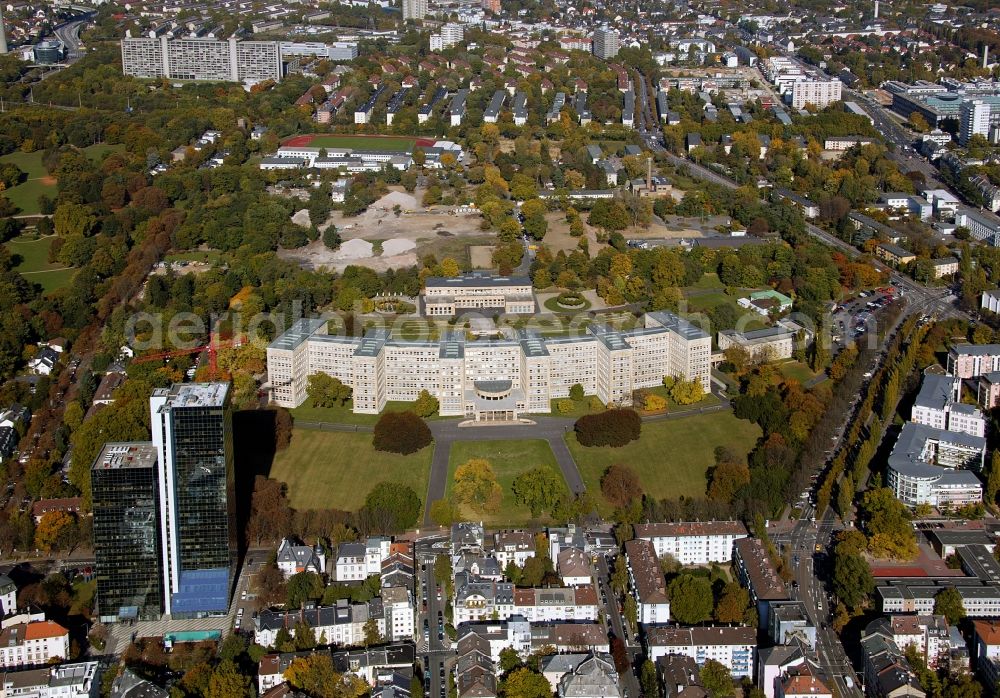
127,532
192,433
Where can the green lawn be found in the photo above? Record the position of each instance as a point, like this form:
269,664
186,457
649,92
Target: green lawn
796,370
710,280
25,195
509,459
343,414
30,163
709,400
336,470
97,152
35,265
672,455
579,408
362,142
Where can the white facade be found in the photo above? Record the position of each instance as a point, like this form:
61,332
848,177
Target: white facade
414,9
693,543
341,625
467,377
34,643
733,647
937,406
201,59
816,92
606,43
450,34
397,604
62,681
293,559
974,119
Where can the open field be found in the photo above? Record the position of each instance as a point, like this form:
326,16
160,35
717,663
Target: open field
324,140
672,455
336,470
35,266
25,195
509,459
404,236
796,370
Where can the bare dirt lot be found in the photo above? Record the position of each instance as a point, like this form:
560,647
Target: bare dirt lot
405,237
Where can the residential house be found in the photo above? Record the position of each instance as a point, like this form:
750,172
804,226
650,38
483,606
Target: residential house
293,559
693,543
733,647
647,583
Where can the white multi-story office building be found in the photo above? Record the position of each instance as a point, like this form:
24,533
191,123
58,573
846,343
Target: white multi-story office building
819,93
414,9
937,405
974,119
693,542
489,380
448,296
932,466
606,43
201,59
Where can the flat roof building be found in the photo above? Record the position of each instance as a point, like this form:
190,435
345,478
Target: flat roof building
193,435
491,380
201,59
127,532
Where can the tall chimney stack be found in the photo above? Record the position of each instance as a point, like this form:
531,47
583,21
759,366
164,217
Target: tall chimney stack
3,34
876,9
649,175
986,56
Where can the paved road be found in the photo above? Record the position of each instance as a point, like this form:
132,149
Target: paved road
550,429
616,620
436,649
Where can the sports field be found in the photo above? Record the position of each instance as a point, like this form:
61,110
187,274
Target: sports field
336,469
324,140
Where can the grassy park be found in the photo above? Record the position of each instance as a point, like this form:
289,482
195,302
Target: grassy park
509,459
38,181
333,469
35,266
672,455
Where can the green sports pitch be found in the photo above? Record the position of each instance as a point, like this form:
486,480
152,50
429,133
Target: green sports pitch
400,143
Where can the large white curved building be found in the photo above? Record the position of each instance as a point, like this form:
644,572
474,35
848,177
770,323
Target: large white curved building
489,380
933,466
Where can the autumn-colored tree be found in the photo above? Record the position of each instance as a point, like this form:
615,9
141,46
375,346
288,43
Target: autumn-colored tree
228,682
733,604
270,513
620,485
476,486
53,530
727,478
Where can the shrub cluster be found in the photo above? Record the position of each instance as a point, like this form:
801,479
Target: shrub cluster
614,427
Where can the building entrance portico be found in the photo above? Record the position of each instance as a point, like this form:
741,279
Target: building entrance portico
494,401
